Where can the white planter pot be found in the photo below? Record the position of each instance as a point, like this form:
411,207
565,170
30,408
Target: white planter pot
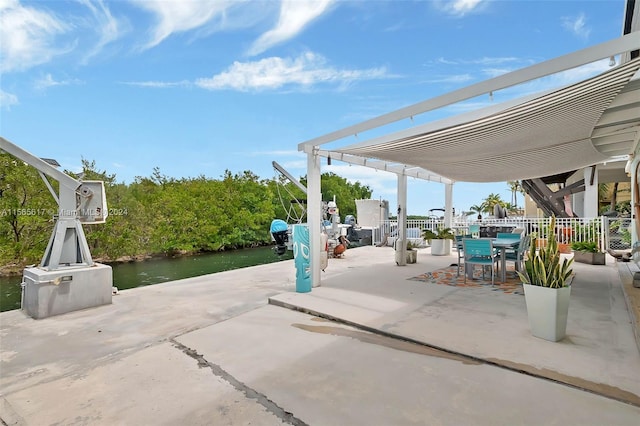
440,247
547,309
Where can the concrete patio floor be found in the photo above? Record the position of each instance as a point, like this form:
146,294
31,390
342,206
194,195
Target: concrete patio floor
599,354
211,350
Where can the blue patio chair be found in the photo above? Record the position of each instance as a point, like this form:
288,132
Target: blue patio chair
517,256
479,252
460,249
509,236
474,230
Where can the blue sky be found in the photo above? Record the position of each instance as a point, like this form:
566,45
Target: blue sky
199,87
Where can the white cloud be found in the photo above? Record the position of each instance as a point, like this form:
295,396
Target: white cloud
494,72
48,81
485,60
444,61
7,99
109,29
456,79
276,153
182,16
300,165
273,73
460,7
294,16
28,36
159,84
489,68
577,25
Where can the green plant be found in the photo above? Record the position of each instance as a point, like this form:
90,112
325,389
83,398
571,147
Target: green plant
441,234
586,246
410,245
543,267
586,231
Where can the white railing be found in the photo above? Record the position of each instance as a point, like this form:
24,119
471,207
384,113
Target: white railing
610,233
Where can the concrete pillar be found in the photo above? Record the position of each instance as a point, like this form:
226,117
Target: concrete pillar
314,213
590,192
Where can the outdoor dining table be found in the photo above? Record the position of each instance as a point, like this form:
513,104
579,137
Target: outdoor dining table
503,244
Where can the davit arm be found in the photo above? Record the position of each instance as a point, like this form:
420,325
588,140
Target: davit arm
77,202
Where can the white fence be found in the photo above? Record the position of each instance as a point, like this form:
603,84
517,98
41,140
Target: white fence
610,233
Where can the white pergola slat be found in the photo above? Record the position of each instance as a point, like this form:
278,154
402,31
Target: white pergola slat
542,136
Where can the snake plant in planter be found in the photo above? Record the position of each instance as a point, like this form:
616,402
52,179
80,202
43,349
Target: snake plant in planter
546,279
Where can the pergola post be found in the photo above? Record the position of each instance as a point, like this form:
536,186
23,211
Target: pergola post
401,242
448,205
314,214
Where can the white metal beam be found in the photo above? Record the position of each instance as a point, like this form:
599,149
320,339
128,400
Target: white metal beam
41,165
415,172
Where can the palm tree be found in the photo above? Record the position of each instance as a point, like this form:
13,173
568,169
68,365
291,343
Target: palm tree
491,200
515,186
478,208
512,209
614,197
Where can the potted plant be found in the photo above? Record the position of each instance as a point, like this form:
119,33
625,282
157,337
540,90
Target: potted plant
588,252
440,240
546,279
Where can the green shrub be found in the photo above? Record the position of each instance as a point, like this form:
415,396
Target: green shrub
586,246
442,234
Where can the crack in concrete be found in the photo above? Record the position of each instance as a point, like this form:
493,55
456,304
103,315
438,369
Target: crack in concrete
250,393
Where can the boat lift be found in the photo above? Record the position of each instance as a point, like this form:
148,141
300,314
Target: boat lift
67,279
332,230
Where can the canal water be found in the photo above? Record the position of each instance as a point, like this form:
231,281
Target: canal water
155,271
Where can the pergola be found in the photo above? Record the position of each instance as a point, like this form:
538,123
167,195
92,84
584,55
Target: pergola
585,124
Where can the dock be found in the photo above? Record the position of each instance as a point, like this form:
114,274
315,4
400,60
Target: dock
371,346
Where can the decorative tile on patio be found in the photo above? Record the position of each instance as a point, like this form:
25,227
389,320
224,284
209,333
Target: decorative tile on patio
449,276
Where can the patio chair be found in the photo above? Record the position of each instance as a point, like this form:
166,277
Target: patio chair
474,230
508,235
517,256
479,252
460,249
520,231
